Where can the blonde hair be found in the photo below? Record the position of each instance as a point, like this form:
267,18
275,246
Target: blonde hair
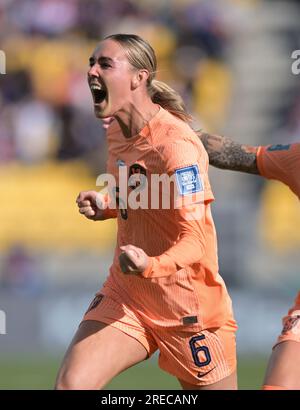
142,56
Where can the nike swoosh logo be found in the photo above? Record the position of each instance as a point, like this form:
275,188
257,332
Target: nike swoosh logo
204,374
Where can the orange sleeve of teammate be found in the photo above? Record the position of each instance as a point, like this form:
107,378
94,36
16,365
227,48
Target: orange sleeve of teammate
278,161
282,163
188,161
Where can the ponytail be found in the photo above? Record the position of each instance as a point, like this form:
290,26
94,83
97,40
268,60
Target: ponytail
142,56
168,99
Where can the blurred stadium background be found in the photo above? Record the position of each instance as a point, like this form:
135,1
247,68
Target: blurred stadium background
231,60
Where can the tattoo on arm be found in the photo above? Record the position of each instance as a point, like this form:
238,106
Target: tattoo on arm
227,154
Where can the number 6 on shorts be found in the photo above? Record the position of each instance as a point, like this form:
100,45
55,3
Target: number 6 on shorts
196,349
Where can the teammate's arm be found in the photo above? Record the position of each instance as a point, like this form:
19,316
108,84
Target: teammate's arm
225,153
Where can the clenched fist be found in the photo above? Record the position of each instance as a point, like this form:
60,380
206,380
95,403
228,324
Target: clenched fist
133,260
91,204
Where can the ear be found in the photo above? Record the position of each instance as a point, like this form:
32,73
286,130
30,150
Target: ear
139,78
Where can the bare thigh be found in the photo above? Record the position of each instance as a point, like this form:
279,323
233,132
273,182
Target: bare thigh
284,366
97,353
228,383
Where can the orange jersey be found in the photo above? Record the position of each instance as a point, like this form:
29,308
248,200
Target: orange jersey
182,286
281,162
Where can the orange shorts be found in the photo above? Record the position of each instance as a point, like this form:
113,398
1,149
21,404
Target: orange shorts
199,358
291,324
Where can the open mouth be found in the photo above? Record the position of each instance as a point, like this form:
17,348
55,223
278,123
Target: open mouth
98,92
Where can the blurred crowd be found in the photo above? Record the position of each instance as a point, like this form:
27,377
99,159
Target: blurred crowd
45,105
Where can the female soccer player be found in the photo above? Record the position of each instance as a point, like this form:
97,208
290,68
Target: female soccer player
164,291
282,163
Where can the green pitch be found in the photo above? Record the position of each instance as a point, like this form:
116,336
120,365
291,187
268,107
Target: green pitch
39,373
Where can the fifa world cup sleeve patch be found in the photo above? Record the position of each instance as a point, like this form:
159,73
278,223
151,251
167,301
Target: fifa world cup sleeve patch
188,180
279,147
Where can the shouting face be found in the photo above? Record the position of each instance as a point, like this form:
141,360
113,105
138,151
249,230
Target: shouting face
110,78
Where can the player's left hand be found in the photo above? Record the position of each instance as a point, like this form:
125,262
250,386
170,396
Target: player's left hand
133,260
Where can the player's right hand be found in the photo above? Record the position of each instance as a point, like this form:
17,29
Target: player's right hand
90,204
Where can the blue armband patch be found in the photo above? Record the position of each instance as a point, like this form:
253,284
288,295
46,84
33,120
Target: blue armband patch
188,180
279,147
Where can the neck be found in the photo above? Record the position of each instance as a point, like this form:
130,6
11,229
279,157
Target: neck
134,117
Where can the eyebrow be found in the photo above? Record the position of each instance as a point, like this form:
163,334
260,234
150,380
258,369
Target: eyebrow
101,59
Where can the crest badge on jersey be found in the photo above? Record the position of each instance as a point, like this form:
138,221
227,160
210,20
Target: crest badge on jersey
136,170
188,180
